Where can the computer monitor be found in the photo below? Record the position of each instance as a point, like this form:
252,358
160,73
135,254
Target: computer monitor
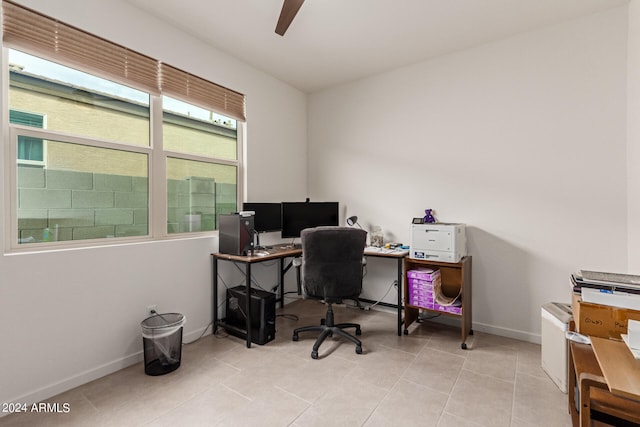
296,216
267,216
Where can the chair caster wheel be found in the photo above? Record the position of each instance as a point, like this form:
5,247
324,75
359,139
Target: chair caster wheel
463,345
294,337
358,350
314,354
358,331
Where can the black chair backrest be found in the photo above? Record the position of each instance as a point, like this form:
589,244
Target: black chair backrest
332,262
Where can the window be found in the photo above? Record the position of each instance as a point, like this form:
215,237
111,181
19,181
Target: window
84,163
69,204
201,166
30,150
93,182
77,102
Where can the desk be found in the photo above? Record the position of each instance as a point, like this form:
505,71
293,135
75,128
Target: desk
596,393
278,252
398,255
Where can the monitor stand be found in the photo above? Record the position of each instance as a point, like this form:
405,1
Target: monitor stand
258,246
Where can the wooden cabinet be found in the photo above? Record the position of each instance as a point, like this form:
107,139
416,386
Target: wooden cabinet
456,278
596,395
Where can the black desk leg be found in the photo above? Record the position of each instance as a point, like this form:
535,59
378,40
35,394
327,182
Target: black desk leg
248,302
281,282
400,303
214,302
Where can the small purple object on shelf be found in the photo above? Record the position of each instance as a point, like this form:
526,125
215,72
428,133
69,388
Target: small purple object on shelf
429,218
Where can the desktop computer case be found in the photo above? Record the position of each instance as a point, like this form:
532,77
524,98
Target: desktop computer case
263,314
235,233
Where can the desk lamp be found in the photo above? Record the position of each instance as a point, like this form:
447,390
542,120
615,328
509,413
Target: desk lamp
353,220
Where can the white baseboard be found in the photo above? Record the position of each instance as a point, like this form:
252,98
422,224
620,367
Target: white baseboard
481,327
493,330
508,333
87,376
74,381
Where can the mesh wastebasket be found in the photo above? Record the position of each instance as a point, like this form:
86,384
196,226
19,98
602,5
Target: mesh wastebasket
162,341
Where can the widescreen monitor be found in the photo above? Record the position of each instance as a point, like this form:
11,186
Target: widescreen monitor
296,216
267,216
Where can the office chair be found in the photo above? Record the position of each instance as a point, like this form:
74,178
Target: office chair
332,271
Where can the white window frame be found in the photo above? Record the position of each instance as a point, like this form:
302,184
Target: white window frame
160,170
12,168
157,160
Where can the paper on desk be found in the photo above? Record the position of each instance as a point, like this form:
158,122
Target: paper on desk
375,249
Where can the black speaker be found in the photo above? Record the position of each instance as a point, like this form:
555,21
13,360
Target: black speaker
235,233
263,314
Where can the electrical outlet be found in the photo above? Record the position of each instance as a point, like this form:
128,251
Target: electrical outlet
151,310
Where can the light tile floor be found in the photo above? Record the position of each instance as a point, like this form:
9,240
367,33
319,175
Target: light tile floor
421,379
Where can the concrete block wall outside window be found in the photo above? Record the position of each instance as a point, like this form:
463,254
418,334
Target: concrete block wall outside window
67,205
191,205
196,203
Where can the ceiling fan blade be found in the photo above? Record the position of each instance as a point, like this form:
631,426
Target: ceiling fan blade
289,10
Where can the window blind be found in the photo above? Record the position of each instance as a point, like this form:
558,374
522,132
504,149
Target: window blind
26,119
54,40
184,85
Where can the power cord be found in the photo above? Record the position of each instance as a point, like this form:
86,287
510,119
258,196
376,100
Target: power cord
254,282
369,307
421,319
155,313
201,335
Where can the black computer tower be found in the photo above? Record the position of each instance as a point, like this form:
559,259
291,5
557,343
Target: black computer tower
263,314
235,233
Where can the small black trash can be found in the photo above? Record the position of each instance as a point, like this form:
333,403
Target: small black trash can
162,341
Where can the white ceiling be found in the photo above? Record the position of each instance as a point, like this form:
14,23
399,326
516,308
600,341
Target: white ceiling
336,41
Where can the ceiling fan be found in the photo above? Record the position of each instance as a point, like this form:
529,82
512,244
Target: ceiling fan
289,10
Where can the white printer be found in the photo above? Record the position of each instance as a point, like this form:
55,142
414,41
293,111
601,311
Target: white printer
438,242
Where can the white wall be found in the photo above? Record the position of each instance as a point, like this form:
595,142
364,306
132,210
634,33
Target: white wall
522,139
70,316
633,136
516,138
